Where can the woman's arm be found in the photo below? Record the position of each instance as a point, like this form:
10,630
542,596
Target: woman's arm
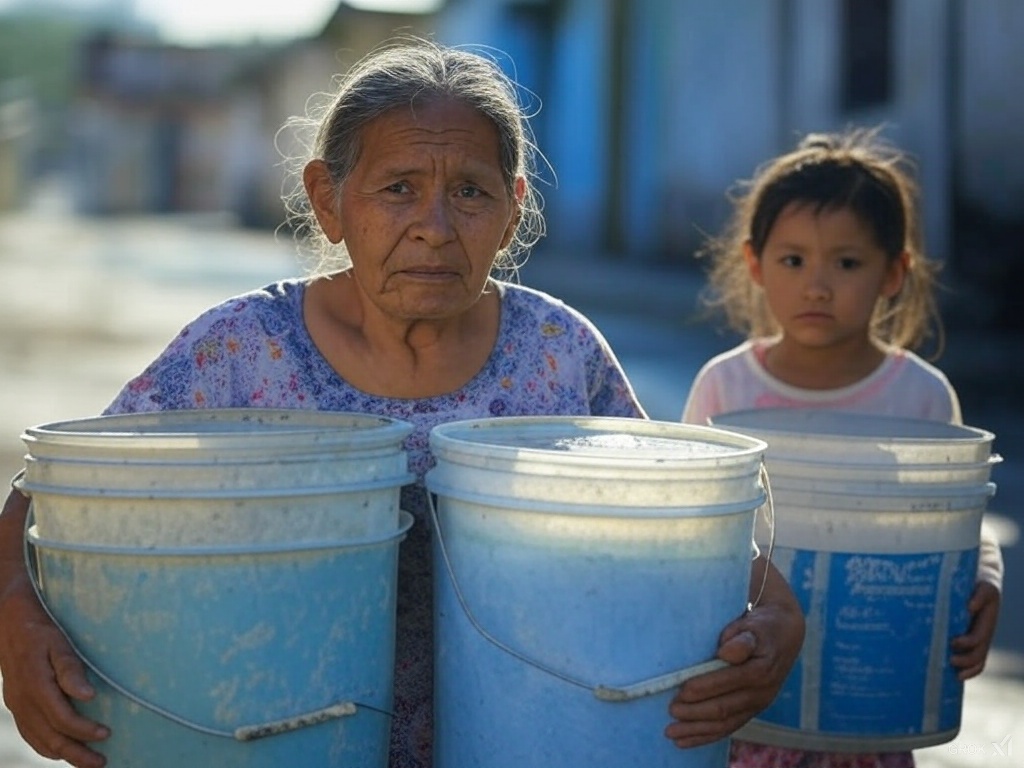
760,647
39,669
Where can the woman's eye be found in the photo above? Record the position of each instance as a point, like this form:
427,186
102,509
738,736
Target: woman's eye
469,192
398,188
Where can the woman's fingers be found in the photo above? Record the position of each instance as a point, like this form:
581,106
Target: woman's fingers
70,673
40,671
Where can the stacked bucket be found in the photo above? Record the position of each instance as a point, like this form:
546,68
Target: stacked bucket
584,568
229,576
877,529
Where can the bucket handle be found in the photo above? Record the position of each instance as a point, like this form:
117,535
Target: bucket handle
769,507
243,733
609,693
677,678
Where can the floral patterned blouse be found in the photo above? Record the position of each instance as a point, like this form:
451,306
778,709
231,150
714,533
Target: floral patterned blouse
254,351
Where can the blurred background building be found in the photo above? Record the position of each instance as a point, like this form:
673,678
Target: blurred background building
647,111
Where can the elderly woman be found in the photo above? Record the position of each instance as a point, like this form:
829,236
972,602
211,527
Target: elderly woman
418,188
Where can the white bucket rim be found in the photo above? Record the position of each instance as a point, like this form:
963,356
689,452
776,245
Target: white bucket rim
824,467
406,521
763,732
31,489
454,438
820,423
903,498
180,430
250,459
524,504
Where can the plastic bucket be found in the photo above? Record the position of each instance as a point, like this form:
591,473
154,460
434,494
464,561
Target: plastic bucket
216,476
229,578
236,657
584,568
880,546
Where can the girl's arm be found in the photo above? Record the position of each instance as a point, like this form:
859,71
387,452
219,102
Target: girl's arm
970,651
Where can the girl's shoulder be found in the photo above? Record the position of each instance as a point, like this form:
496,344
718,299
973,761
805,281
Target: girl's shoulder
740,358
923,388
910,364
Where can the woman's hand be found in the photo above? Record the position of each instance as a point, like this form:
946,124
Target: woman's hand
40,671
971,650
760,647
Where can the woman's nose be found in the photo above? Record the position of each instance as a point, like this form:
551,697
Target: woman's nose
433,223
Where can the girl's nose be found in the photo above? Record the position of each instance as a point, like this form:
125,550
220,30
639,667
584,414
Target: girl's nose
816,285
433,223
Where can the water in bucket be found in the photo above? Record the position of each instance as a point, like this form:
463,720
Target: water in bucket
877,530
236,603
584,567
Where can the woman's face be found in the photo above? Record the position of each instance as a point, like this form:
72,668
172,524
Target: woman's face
424,211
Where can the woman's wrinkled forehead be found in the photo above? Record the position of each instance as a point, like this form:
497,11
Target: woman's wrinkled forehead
420,124
432,129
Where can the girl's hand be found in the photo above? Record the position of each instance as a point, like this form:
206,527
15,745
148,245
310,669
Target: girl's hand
971,650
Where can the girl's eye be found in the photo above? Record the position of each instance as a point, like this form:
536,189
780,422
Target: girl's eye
848,263
791,260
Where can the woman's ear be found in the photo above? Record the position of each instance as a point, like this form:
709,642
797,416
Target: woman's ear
323,196
517,213
895,276
753,263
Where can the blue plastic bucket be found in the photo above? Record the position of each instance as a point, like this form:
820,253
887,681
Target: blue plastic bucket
229,577
244,657
584,568
878,526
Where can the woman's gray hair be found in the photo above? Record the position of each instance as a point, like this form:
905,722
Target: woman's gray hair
405,72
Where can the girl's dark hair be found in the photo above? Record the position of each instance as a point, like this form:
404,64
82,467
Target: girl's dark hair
857,171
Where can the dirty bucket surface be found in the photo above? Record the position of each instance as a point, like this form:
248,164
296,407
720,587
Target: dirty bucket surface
199,657
575,556
229,577
878,527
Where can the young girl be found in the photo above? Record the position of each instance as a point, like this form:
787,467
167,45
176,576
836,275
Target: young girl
822,269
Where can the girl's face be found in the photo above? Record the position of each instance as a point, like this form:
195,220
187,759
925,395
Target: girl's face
823,273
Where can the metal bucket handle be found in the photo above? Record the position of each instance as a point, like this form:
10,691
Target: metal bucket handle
242,733
610,693
769,507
